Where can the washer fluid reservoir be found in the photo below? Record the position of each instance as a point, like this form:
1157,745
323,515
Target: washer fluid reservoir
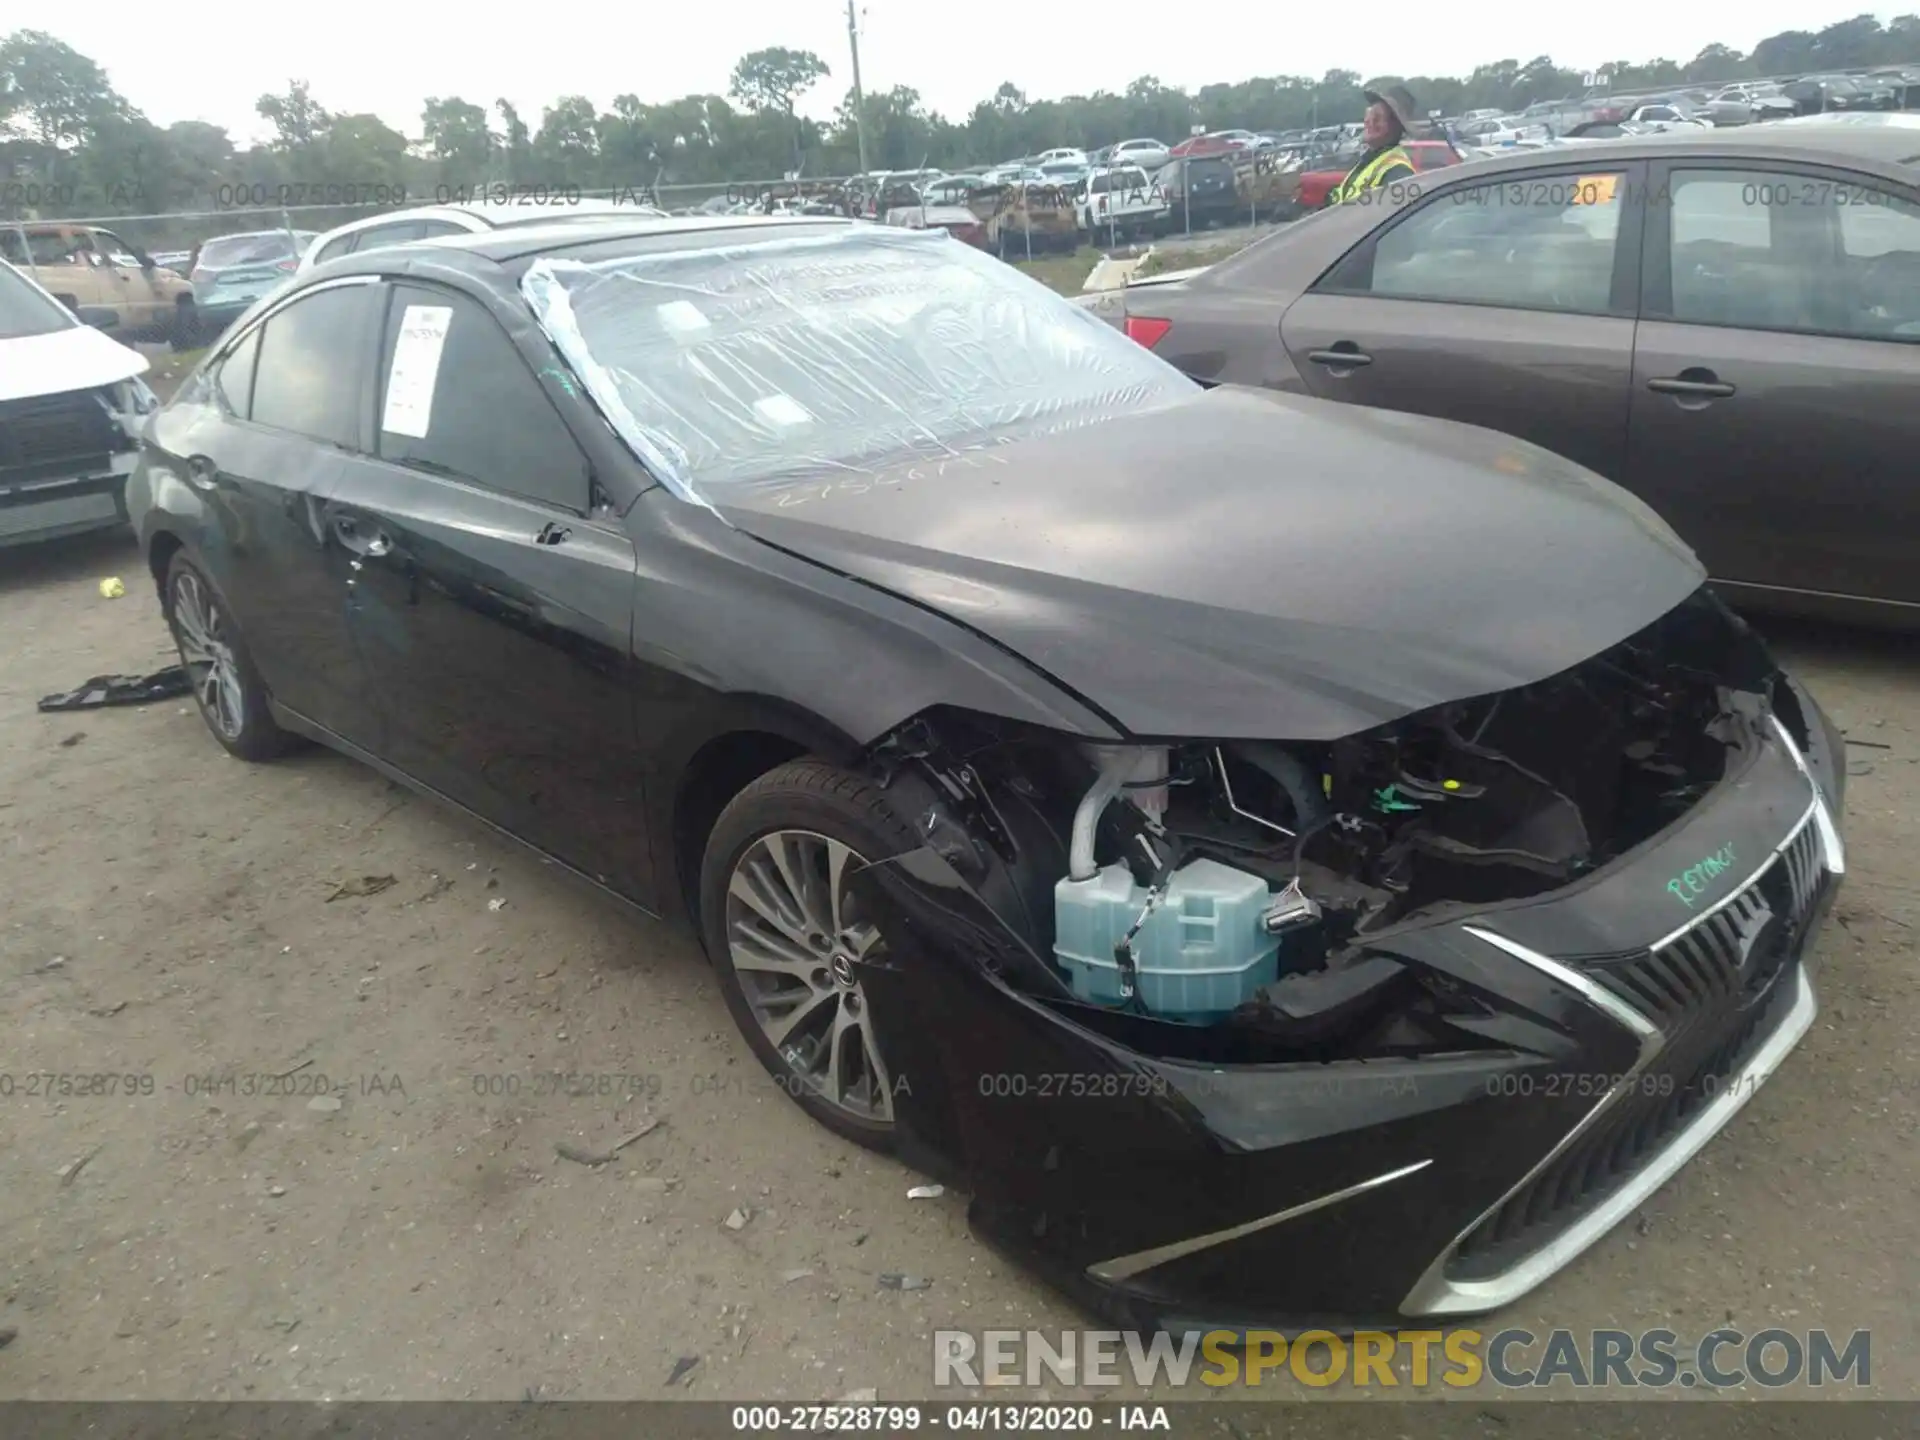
1201,953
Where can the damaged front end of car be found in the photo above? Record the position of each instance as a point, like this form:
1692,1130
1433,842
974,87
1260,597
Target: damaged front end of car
1234,1034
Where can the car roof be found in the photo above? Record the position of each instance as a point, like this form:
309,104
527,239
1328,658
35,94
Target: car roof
494,215
586,240
255,234
1833,142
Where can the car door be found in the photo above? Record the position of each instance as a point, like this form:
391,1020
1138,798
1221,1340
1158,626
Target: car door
143,307
263,438
491,599
1775,375
1507,304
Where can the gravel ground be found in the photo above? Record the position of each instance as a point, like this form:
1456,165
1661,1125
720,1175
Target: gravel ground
175,914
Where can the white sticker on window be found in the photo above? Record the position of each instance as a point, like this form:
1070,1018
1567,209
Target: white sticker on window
782,410
415,370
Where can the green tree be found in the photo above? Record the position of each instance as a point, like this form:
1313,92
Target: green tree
457,136
363,151
770,82
567,147
299,121
50,92
518,146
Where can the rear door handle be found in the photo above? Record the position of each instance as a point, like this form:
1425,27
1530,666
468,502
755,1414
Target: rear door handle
361,537
1706,387
1340,359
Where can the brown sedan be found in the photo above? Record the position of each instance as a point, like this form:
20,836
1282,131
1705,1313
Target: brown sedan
1726,323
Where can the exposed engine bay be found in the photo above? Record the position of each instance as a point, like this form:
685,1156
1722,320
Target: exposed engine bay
1223,894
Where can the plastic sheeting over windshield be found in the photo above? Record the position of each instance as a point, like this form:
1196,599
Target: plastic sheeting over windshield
766,362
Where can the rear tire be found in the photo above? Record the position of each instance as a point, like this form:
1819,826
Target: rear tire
185,334
226,687
782,927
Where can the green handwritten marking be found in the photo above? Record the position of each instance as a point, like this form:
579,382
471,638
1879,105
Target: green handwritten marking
1693,882
561,378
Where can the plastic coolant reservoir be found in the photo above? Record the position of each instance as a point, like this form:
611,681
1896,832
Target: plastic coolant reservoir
1201,953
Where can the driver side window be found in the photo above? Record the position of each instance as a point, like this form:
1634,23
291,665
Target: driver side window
1539,244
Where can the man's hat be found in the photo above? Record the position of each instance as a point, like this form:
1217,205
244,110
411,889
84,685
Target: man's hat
1399,100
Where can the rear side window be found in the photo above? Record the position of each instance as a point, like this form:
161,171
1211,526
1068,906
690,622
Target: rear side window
1756,250
334,249
457,397
312,363
398,233
431,228
235,380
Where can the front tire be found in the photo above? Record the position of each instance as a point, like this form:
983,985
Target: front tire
783,928
226,687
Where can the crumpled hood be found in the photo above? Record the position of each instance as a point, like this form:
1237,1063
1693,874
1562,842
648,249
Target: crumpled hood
1248,564
77,358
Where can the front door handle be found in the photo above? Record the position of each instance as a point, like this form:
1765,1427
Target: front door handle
201,472
1344,356
1693,384
362,538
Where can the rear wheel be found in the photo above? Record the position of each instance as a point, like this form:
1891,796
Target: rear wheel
226,687
784,926
185,333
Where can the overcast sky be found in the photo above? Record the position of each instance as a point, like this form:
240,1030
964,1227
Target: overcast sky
386,56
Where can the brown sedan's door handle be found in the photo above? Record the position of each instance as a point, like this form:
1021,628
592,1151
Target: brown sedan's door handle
1692,384
368,541
1341,358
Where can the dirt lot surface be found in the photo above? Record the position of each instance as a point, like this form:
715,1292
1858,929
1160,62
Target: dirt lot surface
186,922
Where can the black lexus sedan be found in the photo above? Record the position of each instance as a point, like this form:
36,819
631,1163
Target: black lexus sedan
1291,862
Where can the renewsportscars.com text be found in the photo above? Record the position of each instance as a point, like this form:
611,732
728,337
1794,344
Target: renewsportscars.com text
1771,1358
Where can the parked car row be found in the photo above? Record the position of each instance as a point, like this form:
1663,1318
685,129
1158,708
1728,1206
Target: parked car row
188,297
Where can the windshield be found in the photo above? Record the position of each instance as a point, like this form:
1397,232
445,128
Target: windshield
248,249
25,311
766,363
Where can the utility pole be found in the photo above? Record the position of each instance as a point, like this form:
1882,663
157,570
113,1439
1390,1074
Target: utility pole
859,95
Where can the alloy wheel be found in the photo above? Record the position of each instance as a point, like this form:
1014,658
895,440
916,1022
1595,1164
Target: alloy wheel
200,630
794,934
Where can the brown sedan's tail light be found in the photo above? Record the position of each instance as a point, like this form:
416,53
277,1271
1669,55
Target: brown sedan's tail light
1147,330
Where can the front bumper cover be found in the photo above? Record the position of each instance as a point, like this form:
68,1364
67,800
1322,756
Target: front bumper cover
1166,1195
48,508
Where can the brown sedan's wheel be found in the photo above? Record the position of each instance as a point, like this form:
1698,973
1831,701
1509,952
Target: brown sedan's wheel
784,927
226,687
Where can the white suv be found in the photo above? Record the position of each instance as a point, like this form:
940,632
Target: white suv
402,227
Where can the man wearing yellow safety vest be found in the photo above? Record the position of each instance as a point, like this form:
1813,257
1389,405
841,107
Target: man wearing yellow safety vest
1391,118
